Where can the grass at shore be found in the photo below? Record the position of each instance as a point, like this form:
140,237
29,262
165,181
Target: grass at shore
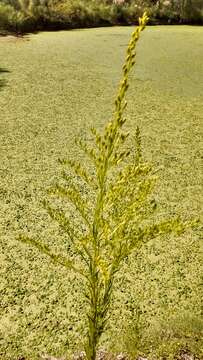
54,87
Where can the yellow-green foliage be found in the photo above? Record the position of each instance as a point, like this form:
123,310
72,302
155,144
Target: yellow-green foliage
114,208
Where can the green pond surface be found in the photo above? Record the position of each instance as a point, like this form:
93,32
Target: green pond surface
54,86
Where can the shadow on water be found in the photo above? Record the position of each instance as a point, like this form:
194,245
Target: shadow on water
2,80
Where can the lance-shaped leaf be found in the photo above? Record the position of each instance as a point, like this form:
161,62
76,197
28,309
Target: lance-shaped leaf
56,258
138,147
73,195
100,140
140,236
79,170
90,152
66,224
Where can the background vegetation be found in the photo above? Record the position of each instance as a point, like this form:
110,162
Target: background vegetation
57,85
21,16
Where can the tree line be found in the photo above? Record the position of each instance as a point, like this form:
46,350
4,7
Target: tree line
22,16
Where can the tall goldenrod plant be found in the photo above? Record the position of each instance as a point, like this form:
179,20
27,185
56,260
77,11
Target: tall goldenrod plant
115,219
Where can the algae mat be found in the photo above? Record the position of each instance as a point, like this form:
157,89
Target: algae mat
53,87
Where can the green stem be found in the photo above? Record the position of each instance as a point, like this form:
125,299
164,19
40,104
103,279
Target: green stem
96,316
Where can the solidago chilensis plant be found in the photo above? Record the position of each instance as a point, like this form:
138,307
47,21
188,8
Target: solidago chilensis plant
115,220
